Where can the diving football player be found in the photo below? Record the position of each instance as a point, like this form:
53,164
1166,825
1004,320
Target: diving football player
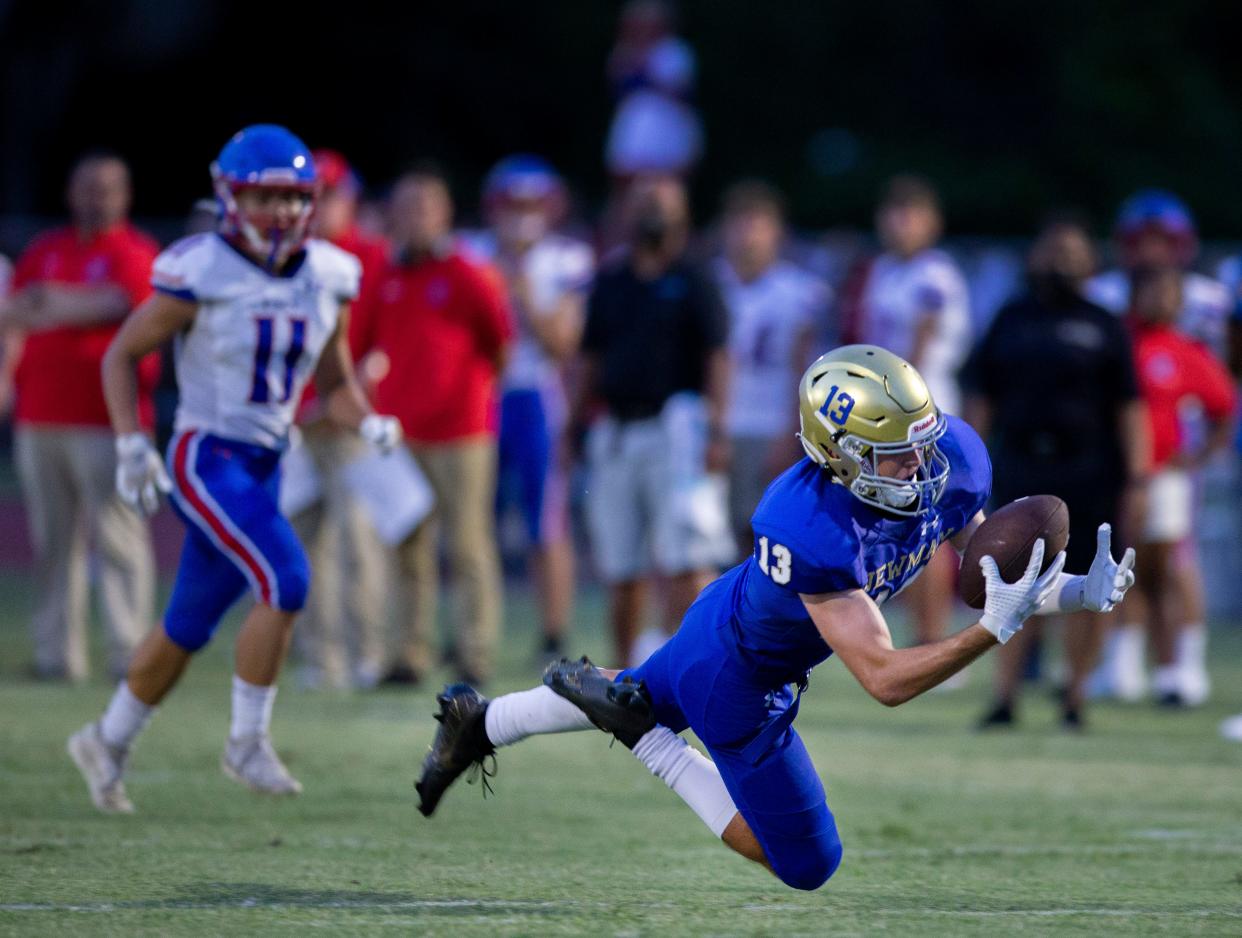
887,479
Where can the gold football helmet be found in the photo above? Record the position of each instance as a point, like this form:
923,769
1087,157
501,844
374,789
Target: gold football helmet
860,405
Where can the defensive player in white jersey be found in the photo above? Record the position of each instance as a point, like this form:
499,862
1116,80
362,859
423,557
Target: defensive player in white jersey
1155,229
776,310
916,304
547,275
257,309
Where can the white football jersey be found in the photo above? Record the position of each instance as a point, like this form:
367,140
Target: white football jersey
256,339
554,265
766,317
896,296
1206,304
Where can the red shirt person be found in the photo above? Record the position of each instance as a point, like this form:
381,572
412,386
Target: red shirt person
73,286
1174,371
442,325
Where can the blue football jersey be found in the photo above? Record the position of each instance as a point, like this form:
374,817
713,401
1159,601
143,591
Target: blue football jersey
813,536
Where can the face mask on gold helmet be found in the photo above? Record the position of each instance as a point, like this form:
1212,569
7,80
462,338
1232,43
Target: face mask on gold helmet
861,404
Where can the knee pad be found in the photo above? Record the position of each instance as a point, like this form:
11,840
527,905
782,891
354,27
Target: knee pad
189,631
812,867
293,583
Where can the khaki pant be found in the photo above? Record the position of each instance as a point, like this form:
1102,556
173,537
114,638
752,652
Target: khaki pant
342,633
68,479
463,476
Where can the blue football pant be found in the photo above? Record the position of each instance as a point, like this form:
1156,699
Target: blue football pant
236,538
696,682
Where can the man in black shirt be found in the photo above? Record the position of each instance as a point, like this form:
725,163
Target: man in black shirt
1052,388
655,364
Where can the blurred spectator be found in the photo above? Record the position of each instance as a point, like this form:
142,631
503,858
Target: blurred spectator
72,287
915,303
1051,386
341,635
547,276
776,310
442,323
654,129
8,343
204,216
655,359
1173,371
6,276
1155,229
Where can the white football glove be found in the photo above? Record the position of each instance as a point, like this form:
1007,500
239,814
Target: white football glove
1007,605
1104,586
140,473
1107,582
384,433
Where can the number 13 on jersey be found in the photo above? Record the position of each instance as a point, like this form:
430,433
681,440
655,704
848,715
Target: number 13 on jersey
775,561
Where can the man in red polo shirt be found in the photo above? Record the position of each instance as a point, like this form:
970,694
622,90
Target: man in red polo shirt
1173,371
72,288
341,635
444,326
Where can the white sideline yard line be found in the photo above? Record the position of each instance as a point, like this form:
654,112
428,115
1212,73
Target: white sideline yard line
173,905
414,905
1050,850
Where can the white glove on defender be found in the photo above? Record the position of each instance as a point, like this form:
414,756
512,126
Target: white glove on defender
140,473
384,433
1104,586
1007,605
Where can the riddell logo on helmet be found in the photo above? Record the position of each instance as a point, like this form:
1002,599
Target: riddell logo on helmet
919,428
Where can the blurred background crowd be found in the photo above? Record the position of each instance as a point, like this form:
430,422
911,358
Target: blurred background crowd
593,272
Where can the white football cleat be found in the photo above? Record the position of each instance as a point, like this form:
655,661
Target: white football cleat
253,762
1120,676
1196,685
103,768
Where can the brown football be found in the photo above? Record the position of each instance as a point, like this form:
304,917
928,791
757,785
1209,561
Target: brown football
1007,536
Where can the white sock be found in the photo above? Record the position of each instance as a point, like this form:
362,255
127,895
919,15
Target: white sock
124,719
690,774
1192,646
1128,681
510,718
1167,679
252,709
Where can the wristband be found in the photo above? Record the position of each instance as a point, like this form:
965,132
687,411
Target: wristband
1066,596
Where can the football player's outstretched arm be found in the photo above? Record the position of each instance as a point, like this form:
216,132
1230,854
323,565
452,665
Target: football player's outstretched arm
152,324
853,626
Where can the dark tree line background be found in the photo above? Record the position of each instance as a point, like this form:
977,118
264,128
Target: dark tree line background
1009,107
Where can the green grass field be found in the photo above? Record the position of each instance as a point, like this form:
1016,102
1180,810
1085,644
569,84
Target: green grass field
1133,829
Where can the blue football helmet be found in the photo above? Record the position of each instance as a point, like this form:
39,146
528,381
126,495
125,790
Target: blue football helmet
265,156
523,197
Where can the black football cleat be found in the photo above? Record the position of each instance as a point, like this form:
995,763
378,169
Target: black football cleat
461,742
622,708
1000,716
